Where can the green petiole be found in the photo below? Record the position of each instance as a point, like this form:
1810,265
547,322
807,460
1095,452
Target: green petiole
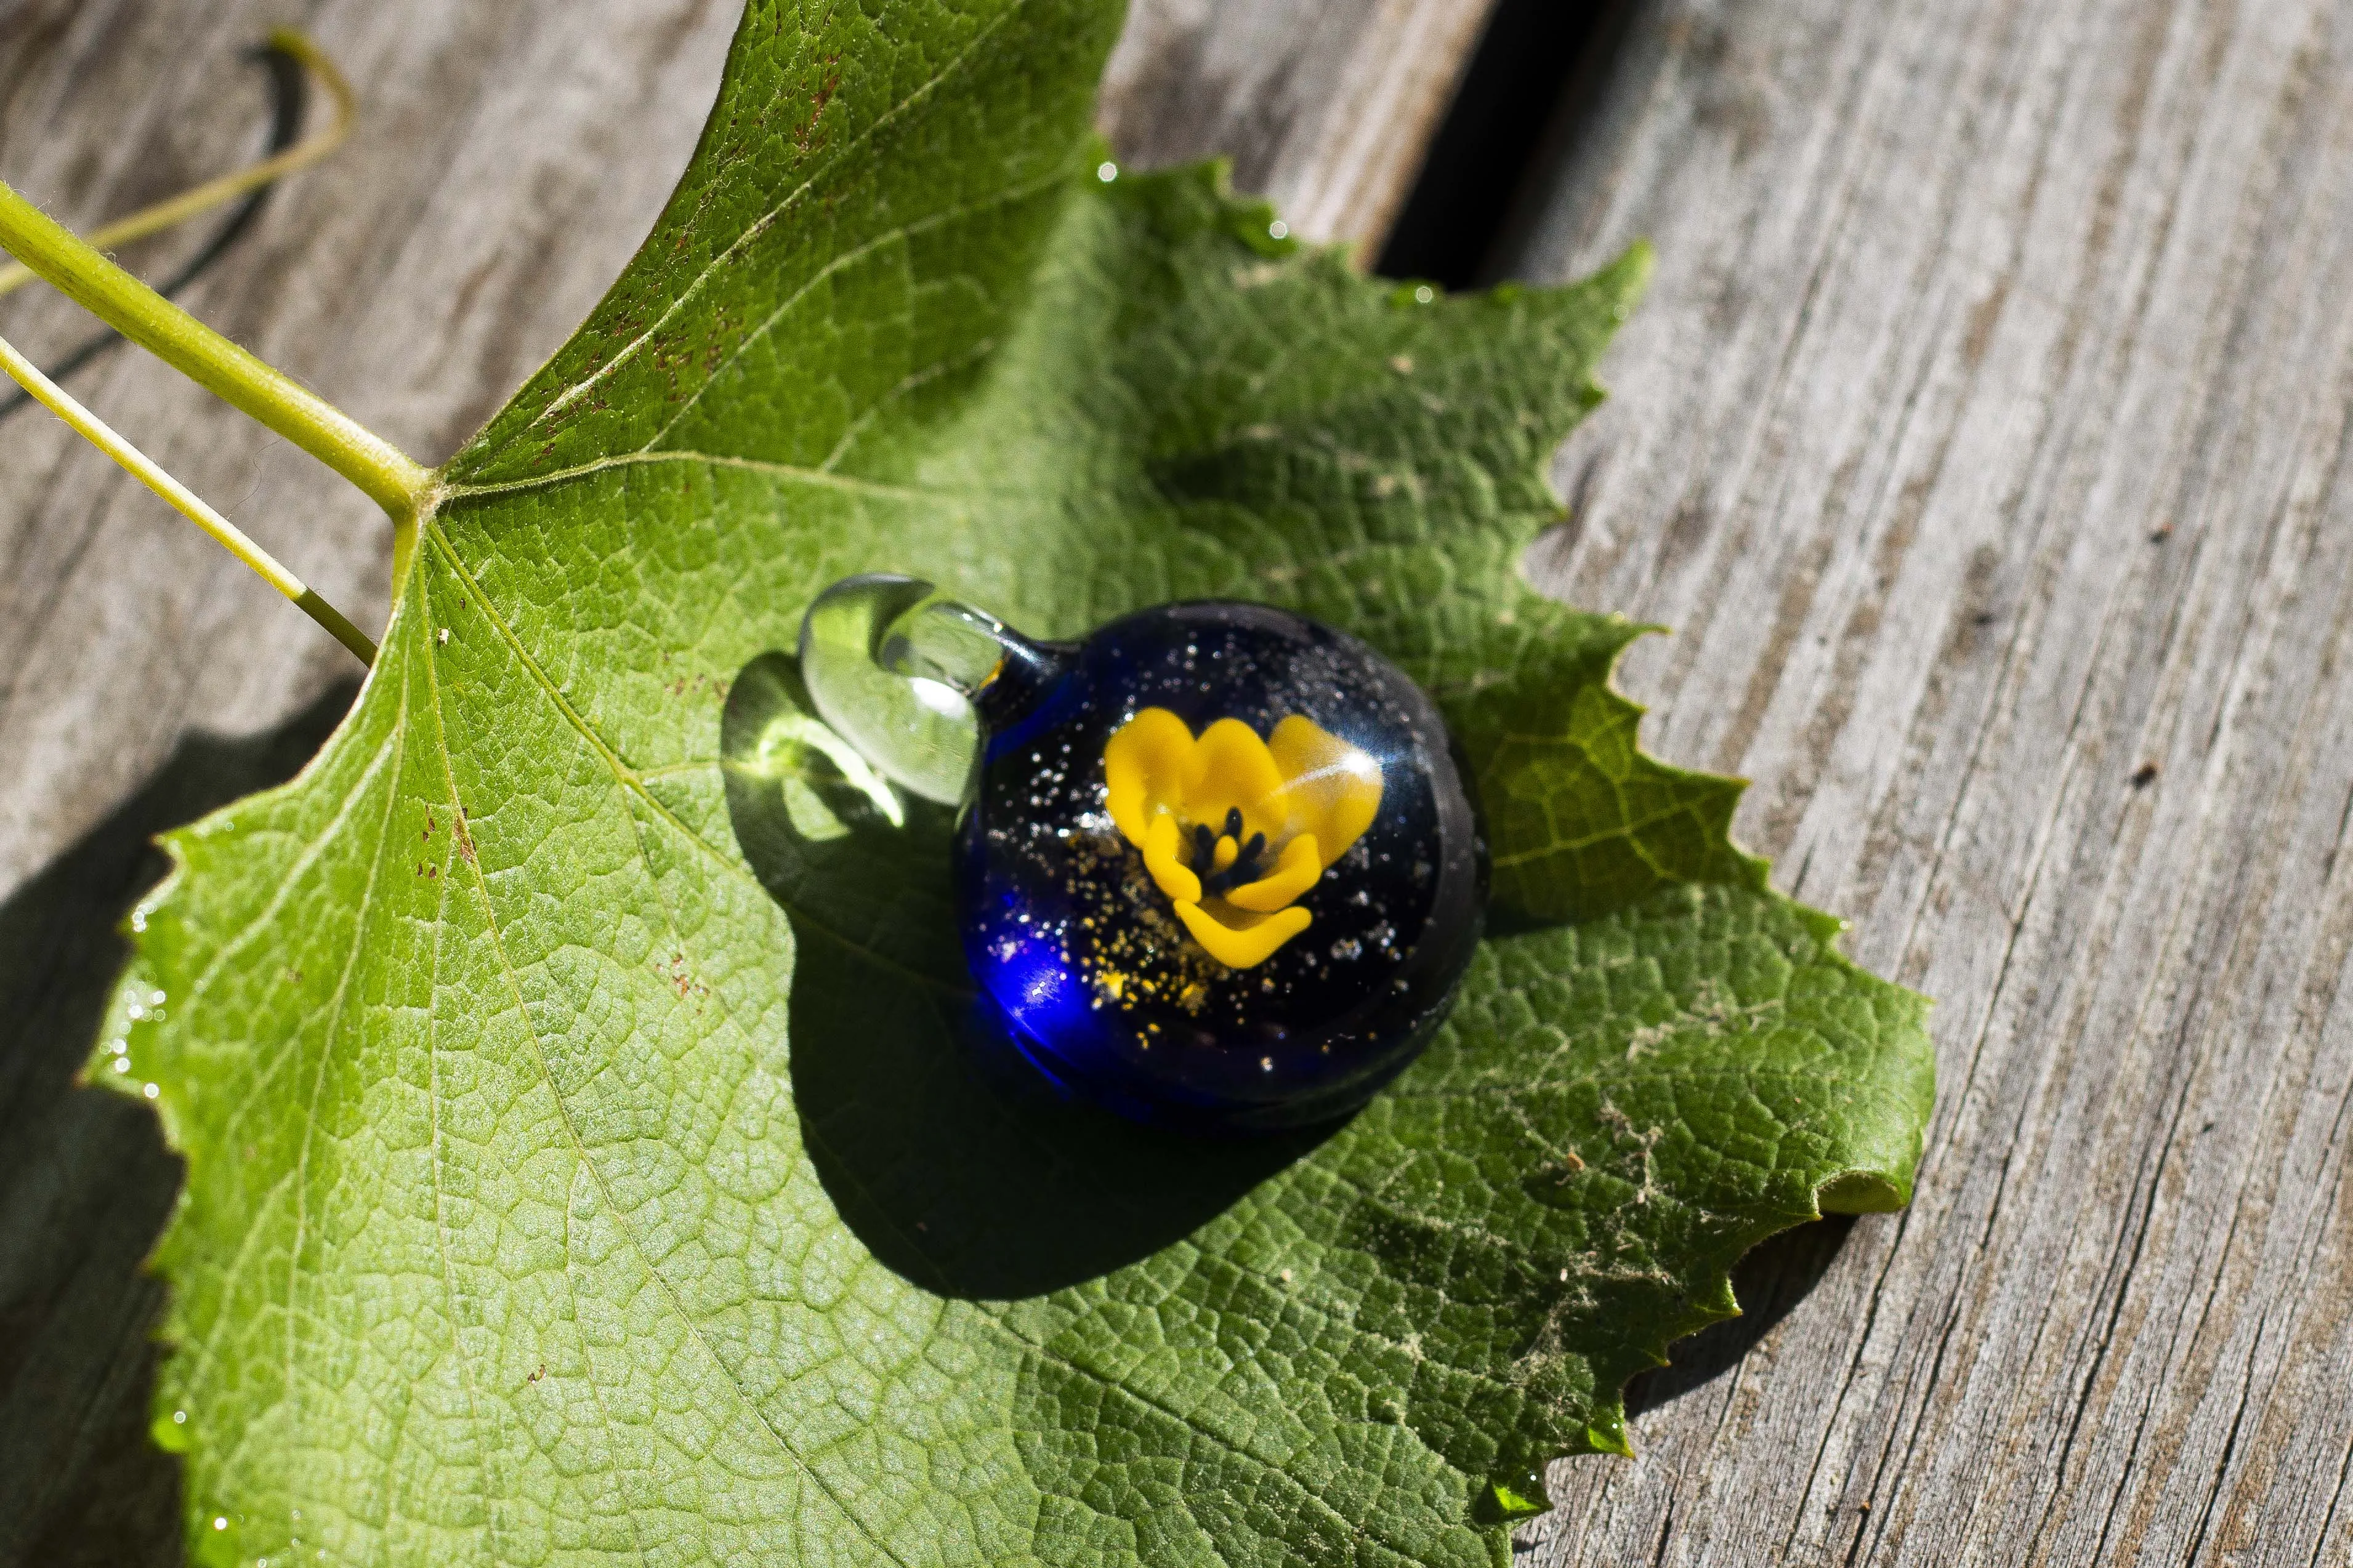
48,250
390,478
149,472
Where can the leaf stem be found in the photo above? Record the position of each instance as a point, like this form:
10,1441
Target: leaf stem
390,478
151,473
202,198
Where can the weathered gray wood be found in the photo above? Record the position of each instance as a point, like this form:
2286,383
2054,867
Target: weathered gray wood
510,156
1984,440
1327,106
1959,305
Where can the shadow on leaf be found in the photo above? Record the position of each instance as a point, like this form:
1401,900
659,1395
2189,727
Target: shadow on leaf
952,1160
86,1183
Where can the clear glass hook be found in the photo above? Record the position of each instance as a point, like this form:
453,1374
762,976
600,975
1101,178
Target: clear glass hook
893,666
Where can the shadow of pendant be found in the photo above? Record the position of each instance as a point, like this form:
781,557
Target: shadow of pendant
953,1160
86,1183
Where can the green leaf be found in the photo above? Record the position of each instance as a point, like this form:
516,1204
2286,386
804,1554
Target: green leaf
588,1155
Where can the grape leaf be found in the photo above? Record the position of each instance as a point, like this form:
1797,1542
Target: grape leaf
590,1153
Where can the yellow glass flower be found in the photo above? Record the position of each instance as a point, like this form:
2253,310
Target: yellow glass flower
1235,828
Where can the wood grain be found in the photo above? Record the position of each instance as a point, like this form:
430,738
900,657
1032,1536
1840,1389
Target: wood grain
1325,106
1984,440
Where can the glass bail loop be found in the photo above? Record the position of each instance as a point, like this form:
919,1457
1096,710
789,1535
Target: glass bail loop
893,665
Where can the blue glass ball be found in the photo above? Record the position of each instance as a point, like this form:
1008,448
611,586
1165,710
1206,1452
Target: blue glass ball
1219,870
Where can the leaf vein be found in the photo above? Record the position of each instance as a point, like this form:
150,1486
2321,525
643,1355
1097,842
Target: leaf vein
758,227
572,1132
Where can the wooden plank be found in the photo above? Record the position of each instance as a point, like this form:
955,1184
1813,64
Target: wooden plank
509,157
1984,438
1325,106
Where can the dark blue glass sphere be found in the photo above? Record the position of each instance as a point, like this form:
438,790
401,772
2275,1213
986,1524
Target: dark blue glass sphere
1221,869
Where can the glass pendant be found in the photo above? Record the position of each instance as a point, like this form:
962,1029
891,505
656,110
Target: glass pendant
1217,865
